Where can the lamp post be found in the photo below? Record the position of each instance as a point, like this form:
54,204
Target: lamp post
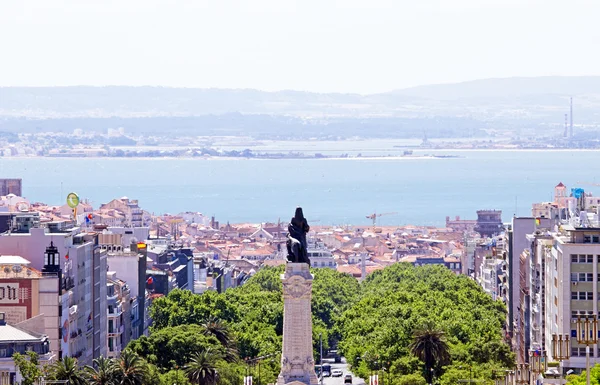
560,351
587,333
522,374
499,379
537,358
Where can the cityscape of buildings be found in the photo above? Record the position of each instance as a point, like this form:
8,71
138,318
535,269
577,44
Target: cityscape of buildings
79,281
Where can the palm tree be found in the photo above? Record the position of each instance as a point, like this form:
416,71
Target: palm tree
220,330
67,370
102,373
202,369
130,369
429,345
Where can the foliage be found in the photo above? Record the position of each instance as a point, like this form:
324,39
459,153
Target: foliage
429,344
581,379
373,325
131,369
28,365
412,379
173,347
174,377
395,302
66,369
202,368
102,372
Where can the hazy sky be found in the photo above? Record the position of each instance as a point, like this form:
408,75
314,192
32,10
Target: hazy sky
316,45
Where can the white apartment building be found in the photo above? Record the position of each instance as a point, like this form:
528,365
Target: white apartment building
82,265
130,266
119,315
571,283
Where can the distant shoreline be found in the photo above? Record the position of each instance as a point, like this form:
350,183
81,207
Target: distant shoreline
266,156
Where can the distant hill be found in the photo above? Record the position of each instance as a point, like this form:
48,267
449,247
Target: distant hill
446,109
557,86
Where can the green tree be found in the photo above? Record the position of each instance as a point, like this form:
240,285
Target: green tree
173,347
174,377
429,345
412,379
102,372
202,369
396,301
29,367
581,379
131,369
67,369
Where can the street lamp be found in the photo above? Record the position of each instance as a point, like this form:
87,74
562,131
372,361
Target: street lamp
587,333
522,374
499,379
537,358
560,351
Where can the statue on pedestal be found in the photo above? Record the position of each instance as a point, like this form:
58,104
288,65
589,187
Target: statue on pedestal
296,238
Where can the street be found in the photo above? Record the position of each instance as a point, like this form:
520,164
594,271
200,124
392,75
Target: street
340,380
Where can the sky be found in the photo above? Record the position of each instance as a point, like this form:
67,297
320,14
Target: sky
359,46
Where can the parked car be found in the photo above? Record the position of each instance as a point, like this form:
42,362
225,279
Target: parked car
337,373
348,379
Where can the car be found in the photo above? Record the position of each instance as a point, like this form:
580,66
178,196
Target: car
337,373
347,379
326,374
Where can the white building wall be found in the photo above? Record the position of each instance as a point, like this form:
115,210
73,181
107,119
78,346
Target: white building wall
126,267
48,302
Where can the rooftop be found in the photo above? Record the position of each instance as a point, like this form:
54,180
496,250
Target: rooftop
10,333
13,260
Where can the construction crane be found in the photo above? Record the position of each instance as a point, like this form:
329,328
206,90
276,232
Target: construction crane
374,217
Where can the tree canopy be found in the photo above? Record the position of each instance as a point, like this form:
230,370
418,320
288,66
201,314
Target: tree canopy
373,324
377,331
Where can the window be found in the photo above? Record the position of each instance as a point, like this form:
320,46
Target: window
575,277
595,239
589,277
580,352
590,258
587,239
574,295
574,258
555,282
590,295
111,328
2,353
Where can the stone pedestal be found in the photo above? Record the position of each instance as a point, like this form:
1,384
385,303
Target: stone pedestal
297,362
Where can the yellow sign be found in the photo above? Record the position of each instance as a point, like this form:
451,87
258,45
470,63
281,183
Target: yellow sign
72,200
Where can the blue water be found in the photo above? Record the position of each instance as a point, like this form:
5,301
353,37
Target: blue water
344,191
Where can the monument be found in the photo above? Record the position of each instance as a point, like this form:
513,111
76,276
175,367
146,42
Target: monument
297,362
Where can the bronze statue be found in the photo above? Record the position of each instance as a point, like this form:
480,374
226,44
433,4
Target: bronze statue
296,238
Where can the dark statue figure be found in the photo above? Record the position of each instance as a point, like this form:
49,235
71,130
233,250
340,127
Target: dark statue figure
296,238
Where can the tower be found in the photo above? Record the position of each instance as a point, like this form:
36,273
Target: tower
566,126
571,117
297,362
